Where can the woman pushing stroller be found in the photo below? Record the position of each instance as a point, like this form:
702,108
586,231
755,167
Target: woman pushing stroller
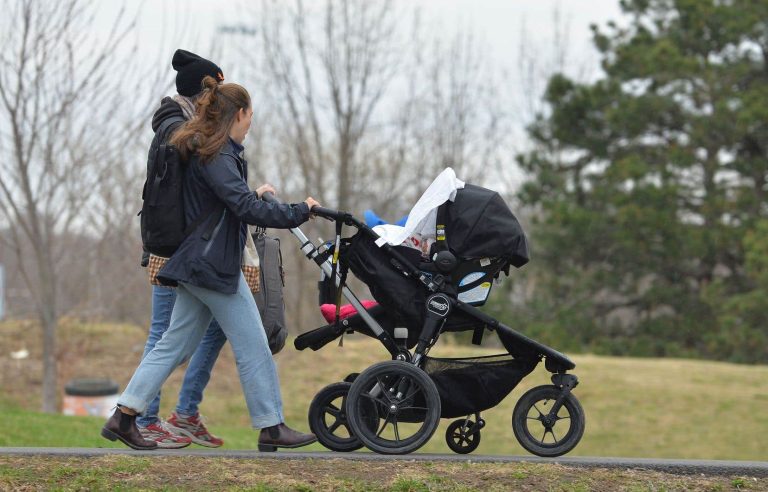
206,268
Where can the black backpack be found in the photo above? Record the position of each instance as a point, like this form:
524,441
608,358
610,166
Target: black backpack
163,223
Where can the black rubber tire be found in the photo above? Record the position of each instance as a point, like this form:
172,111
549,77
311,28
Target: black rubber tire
420,406
459,440
560,445
322,405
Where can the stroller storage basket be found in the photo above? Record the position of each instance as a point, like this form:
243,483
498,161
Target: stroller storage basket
470,385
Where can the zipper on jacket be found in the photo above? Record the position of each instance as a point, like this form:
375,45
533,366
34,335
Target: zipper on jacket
215,233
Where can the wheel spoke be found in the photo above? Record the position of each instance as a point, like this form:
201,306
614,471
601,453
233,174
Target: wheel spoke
397,432
544,436
384,389
537,409
377,400
332,409
413,408
333,427
552,431
386,421
418,388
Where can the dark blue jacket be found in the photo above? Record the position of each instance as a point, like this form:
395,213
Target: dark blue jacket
211,255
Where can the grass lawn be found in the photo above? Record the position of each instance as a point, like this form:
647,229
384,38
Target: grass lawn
664,408
194,473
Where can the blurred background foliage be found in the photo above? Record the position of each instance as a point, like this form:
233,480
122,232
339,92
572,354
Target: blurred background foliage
648,189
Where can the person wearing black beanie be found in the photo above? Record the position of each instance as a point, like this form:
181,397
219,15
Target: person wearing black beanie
191,69
185,424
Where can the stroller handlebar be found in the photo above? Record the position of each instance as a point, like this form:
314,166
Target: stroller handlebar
326,213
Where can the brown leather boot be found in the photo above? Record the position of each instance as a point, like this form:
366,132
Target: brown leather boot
123,426
282,436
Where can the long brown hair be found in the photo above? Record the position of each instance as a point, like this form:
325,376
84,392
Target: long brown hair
207,132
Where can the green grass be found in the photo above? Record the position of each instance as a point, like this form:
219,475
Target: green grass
665,408
203,473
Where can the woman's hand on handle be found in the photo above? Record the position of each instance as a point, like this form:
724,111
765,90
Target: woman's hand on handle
265,188
311,202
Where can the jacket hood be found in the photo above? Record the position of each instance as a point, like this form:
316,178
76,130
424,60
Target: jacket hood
168,108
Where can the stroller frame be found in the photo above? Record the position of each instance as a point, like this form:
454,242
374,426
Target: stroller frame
439,306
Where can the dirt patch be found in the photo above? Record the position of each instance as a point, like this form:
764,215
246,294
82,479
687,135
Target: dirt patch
131,473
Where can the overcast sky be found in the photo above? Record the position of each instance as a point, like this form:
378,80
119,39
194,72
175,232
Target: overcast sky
499,23
502,26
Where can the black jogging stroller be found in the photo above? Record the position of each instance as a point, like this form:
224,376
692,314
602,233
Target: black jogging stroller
394,407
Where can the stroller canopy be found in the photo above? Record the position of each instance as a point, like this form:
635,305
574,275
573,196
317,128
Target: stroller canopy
480,224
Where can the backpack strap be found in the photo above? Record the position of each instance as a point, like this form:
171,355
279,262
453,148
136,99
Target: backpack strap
160,151
162,130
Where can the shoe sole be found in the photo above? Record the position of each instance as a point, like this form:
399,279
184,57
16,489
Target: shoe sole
195,440
108,434
173,446
269,448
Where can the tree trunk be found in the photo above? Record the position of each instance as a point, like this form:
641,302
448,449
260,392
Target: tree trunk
49,321
50,369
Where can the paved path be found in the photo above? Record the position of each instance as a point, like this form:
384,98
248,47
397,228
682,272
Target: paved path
688,467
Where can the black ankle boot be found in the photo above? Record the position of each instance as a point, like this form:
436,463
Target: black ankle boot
282,436
123,427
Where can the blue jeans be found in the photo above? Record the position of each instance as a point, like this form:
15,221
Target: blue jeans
200,366
239,318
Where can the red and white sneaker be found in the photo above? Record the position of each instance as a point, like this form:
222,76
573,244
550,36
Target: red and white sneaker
194,428
163,436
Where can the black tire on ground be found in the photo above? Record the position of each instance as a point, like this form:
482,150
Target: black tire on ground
328,419
406,402
542,438
458,437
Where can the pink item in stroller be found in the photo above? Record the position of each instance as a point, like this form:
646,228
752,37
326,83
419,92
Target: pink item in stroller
347,310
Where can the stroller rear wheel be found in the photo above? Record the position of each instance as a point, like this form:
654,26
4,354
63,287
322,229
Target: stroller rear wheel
328,418
542,431
407,405
463,436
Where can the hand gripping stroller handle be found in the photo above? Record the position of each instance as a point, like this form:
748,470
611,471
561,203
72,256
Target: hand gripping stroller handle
270,197
318,338
323,212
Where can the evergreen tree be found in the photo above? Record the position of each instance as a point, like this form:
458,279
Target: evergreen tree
648,183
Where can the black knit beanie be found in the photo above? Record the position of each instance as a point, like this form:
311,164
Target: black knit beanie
191,70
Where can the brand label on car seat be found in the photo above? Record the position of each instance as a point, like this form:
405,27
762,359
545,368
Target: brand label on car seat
439,305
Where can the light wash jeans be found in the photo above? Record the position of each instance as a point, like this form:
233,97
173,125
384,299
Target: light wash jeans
200,365
240,320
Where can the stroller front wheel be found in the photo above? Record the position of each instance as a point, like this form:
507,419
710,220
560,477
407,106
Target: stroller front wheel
462,436
406,403
542,431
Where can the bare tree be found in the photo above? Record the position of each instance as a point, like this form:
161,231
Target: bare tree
359,105
325,79
59,138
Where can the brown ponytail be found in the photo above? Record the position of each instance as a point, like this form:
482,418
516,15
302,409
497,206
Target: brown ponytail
208,131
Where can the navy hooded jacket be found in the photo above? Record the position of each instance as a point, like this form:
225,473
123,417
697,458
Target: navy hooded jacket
210,257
